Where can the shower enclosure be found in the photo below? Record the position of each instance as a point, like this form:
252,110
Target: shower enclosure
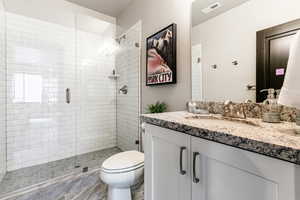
60,112
128,67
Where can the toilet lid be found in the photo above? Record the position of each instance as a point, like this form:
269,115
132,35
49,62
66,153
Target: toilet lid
124,160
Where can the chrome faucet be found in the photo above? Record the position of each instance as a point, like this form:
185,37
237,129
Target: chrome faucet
192,108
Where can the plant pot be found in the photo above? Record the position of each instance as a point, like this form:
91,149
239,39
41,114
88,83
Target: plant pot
298,117
297,130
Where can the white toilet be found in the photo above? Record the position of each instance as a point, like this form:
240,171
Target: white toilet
122,171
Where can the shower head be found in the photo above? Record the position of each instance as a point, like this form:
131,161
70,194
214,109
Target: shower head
119,39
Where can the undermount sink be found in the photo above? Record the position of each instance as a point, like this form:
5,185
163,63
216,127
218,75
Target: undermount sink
222,119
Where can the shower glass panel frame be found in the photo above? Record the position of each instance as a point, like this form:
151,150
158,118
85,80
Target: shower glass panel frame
2,92
128,105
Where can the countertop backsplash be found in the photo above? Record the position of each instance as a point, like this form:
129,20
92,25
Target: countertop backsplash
252,110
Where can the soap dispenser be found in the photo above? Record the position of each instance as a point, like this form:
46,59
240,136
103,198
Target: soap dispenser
273,113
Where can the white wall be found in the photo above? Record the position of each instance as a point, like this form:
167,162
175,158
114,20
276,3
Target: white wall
128,66
155,15
2,94
232,36
50,48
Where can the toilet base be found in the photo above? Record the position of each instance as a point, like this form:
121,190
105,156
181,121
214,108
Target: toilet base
119,193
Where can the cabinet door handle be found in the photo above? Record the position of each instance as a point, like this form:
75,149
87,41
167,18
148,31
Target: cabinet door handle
195,179
182,172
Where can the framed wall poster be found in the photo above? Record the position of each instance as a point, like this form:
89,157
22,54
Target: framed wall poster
161,57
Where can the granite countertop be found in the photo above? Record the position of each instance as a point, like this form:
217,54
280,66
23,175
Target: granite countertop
274,140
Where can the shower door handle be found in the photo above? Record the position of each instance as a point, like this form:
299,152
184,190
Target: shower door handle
68,96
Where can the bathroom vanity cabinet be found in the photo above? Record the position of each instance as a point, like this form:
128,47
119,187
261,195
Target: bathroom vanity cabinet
183,167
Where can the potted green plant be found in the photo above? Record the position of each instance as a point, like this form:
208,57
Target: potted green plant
158,107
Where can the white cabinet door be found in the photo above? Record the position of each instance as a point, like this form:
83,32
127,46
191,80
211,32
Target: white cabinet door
165,151
226,173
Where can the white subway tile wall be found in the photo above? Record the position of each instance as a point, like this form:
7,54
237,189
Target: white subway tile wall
128,64
43,60
2,93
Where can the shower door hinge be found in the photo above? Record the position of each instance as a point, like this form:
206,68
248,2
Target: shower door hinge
85,169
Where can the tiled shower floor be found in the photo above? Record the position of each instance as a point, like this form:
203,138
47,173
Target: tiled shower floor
60,173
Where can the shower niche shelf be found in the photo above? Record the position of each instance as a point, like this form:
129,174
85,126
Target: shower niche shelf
114,76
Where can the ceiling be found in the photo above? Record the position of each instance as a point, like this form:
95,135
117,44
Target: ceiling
115,7
199,17
109,7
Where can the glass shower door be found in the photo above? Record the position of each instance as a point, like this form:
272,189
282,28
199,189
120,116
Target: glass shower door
59,98
96,122
40,67
128,105
62,98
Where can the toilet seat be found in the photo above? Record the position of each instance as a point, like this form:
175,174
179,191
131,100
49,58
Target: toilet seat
109,171
122,171
123,162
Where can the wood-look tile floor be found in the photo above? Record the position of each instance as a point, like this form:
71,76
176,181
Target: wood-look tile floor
59,180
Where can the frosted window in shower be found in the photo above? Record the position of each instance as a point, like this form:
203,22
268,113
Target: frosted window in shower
28,88
28,55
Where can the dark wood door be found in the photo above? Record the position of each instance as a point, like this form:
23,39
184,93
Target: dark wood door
273,46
